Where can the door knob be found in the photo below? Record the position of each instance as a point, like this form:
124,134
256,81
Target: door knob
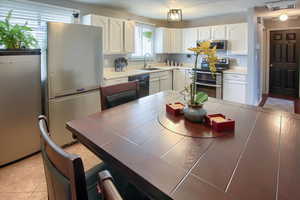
271,65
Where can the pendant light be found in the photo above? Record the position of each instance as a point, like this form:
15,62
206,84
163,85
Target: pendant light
174,15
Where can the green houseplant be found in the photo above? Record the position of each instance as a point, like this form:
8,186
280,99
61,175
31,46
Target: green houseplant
15,36
194,110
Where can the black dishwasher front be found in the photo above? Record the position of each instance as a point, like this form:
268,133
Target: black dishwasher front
143,83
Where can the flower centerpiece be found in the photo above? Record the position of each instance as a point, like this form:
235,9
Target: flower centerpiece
194,110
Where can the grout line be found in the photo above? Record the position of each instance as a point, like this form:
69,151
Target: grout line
279,157
191,169
241,155
181,140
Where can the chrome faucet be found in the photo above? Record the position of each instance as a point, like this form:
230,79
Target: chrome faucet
145,63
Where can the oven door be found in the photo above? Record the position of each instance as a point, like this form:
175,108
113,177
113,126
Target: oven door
212,85
214,91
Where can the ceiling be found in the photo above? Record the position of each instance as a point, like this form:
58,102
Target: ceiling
192,9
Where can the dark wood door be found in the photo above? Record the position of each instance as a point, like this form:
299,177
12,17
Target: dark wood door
284,62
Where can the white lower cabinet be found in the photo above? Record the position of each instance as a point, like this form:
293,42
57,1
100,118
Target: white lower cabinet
179,79
234,88
166,81
160,81
154,85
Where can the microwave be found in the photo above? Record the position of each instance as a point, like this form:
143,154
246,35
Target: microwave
221,44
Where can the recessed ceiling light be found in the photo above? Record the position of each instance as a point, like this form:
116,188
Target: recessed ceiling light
283,17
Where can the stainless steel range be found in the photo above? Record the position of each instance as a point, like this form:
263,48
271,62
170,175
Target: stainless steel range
209,83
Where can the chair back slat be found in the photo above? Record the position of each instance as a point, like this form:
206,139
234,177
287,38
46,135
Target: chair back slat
64,172
117,94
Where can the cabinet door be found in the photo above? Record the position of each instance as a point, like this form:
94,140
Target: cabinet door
188,77
237,35
176,40
129,36
234,91
204,33
179,79
162,40
166,82
116,36
154,86
219,32
96,20
189,39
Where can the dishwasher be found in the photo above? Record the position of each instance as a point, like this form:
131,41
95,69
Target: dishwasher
143,83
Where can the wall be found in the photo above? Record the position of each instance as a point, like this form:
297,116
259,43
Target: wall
235,61
272,24
212,20
100,10
254,70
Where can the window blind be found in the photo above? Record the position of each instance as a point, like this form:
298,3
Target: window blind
36,15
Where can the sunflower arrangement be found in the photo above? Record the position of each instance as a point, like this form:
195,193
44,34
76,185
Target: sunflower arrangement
205,49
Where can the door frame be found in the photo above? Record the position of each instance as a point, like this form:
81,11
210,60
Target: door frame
267,70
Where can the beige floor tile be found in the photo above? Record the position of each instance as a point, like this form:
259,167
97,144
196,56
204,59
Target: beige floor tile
27,176
14,196
89,159
38,196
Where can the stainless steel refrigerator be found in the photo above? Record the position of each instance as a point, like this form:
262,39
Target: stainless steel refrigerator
20,104
73,75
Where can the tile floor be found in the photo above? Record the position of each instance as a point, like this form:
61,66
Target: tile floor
25,180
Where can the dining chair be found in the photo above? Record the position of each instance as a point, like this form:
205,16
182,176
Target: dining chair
65,176
118,94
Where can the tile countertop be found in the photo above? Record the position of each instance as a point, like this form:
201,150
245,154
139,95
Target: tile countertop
131,71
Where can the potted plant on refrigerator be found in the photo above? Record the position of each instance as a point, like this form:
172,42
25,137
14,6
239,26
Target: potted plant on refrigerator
194,110
15,37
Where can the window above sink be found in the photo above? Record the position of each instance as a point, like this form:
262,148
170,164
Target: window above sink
144,41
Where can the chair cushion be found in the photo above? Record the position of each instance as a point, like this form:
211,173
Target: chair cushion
121,98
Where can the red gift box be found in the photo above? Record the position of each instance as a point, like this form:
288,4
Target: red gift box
223,125
175,108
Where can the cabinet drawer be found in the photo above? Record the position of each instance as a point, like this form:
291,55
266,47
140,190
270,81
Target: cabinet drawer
115,81
235,77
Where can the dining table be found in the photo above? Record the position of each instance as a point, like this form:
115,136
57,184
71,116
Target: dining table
258,160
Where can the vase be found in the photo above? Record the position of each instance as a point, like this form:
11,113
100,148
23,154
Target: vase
194,113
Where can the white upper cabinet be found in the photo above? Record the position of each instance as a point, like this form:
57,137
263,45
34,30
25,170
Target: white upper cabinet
204,33
162,40
100,21
129,36
116,36
176,40
237,35
218,32
189,39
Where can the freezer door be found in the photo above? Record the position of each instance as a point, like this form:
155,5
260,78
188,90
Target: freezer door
20,105
75,58
62,110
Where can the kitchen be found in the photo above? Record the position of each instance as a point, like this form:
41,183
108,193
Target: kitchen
86,45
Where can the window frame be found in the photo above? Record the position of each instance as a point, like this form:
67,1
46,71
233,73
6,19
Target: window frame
139,58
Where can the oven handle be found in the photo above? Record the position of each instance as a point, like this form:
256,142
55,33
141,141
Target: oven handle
209,85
